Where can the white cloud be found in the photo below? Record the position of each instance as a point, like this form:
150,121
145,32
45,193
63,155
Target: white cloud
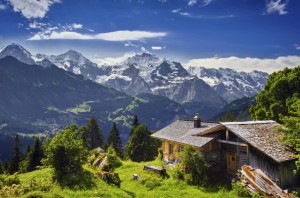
36,25
176,10
185,14
32,8
206,2
113,60
144,49
2,6
273,6
297,46
163,1
130,44
247,64
192,2
77,26
158,47
122,35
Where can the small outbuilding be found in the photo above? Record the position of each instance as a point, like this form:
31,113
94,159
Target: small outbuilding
230,145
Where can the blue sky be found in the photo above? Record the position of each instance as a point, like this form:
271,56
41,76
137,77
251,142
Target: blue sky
180,29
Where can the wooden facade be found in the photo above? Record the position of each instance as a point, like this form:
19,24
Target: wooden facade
228,152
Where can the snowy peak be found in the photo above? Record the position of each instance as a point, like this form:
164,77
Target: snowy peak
142,59
229,83
75,62
17,51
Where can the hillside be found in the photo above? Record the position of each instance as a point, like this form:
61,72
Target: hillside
149,185
199,90
240,108
46,99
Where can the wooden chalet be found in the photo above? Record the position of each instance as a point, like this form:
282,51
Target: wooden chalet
230,145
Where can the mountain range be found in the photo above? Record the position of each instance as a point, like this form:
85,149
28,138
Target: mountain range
35,98
192,89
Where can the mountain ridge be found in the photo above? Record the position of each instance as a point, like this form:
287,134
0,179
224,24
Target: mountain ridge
47,99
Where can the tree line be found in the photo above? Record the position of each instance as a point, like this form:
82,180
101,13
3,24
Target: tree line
68,150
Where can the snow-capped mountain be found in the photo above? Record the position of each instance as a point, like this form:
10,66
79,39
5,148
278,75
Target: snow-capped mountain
229,83
17,51
74,62
147,73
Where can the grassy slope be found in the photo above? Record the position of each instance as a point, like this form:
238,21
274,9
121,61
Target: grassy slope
149,185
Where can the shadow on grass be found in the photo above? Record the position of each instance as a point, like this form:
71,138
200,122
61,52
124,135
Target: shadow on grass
216,183
132,194
82,180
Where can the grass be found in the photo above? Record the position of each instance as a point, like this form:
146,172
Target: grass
149,185
82,108
153,185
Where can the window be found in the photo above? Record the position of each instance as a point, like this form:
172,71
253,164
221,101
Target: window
170,148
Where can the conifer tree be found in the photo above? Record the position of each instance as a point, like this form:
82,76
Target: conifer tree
114,140
6,167
1,167
134,124
28,149
16,156
35,155
93,136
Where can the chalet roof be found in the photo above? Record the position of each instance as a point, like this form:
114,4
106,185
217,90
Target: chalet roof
183,131
261,135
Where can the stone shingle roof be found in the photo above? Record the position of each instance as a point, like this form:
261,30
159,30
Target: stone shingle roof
183,131
261,135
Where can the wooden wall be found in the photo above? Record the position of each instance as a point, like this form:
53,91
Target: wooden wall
281,173
287,177
240,151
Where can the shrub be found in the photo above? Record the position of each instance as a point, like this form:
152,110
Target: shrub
66,153
193,163
178,173
150,182
239,189
112,159
11,179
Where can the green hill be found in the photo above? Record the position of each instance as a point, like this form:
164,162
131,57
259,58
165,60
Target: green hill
240,109
38,184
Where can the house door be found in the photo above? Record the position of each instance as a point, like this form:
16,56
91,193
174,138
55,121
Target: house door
231,162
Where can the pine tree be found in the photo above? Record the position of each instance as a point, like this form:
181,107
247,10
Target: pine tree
93,136
114,140
16,157
35,156
28,149
1,167
134,124
6,167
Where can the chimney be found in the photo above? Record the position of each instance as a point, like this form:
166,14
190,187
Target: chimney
197,121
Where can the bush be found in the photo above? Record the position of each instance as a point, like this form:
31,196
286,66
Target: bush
194,165
66,153
150,182
178,173
8,180
239,189
112,159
